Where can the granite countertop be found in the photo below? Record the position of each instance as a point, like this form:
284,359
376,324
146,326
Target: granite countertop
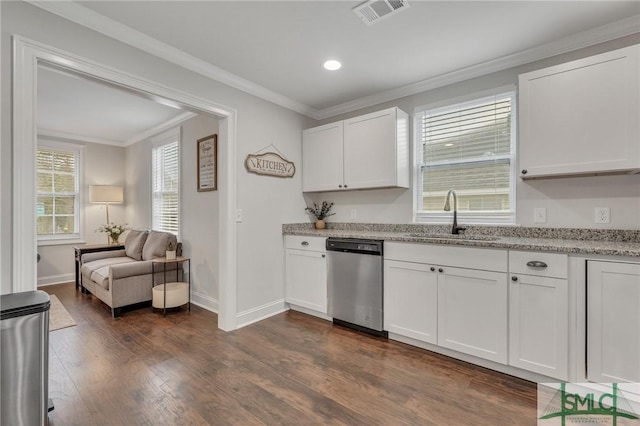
559,240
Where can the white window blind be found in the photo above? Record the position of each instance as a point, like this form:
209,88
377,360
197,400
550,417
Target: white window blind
57,192
468,147
166,187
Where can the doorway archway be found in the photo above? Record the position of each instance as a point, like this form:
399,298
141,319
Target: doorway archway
28,56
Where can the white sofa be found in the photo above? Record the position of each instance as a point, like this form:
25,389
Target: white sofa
122,278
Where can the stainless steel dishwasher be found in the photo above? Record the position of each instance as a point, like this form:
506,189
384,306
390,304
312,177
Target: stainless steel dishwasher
355,292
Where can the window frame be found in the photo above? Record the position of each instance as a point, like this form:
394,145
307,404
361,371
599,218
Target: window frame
490,217
79,207
159,141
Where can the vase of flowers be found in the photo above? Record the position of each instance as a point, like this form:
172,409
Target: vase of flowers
320,212
113,231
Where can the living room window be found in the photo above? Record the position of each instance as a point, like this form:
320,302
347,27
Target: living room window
165,172
467,146
58,177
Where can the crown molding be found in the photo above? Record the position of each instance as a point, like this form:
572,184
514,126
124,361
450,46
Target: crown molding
612,31
90,19
46,133
113,29
174,122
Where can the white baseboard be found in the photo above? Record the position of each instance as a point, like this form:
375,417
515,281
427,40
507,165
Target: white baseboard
204,301
310,312
261,312
507,369
56,279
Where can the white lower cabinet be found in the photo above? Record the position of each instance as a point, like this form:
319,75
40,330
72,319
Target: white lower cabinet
613,322
472,312
458,308
539,325
539,313
411,300
306,273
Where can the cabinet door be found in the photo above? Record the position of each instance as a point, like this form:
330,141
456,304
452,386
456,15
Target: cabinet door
411,300
306,279
613,322
472,312
581,117
370,150
539,325
322,158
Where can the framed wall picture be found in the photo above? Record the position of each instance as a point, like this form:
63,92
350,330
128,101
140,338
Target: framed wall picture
208,163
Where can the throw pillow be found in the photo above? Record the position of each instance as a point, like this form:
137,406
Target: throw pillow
134,242
156,244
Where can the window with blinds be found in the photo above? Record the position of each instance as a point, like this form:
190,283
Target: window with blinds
166,187
57,186
468,147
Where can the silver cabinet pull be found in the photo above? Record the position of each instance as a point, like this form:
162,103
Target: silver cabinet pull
536,264
304,243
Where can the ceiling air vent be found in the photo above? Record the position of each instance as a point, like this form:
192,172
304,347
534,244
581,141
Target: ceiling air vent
373,11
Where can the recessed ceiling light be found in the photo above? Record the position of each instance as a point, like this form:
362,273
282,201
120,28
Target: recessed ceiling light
332,65
448,144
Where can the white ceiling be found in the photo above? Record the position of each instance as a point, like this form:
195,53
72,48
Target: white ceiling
275,49
74,107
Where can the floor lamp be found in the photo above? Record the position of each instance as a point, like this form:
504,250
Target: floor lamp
106,194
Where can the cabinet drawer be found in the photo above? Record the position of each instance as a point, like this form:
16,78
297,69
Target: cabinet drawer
487,259
556,264
301,242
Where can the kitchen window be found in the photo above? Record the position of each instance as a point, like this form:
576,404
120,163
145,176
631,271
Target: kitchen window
165,181
58,168
467,146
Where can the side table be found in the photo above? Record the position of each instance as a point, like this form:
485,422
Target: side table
91,248
171,294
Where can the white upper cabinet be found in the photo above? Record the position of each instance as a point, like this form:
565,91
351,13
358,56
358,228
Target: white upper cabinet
322,158
581,117
369,151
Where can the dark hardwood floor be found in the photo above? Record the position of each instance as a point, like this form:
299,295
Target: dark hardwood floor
291,369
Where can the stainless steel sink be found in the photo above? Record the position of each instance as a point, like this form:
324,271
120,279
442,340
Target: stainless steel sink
451,237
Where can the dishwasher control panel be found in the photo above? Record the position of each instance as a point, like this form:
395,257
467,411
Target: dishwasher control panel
355,245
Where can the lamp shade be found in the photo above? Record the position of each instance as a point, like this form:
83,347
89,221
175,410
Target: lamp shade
106,194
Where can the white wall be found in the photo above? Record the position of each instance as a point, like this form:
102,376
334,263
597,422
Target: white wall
570,202
199,215
138,185
103,165
266,202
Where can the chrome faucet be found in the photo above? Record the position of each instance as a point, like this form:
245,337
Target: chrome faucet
455,229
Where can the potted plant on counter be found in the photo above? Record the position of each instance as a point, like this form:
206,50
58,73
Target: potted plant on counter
320,213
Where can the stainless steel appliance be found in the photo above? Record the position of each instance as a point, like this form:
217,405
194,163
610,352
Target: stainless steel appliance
24,358
354,275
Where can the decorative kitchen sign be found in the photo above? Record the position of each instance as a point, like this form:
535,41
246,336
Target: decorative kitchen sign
208,163
270,164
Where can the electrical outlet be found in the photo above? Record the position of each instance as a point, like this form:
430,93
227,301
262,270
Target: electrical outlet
353,214
239,216
540,215
602,215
